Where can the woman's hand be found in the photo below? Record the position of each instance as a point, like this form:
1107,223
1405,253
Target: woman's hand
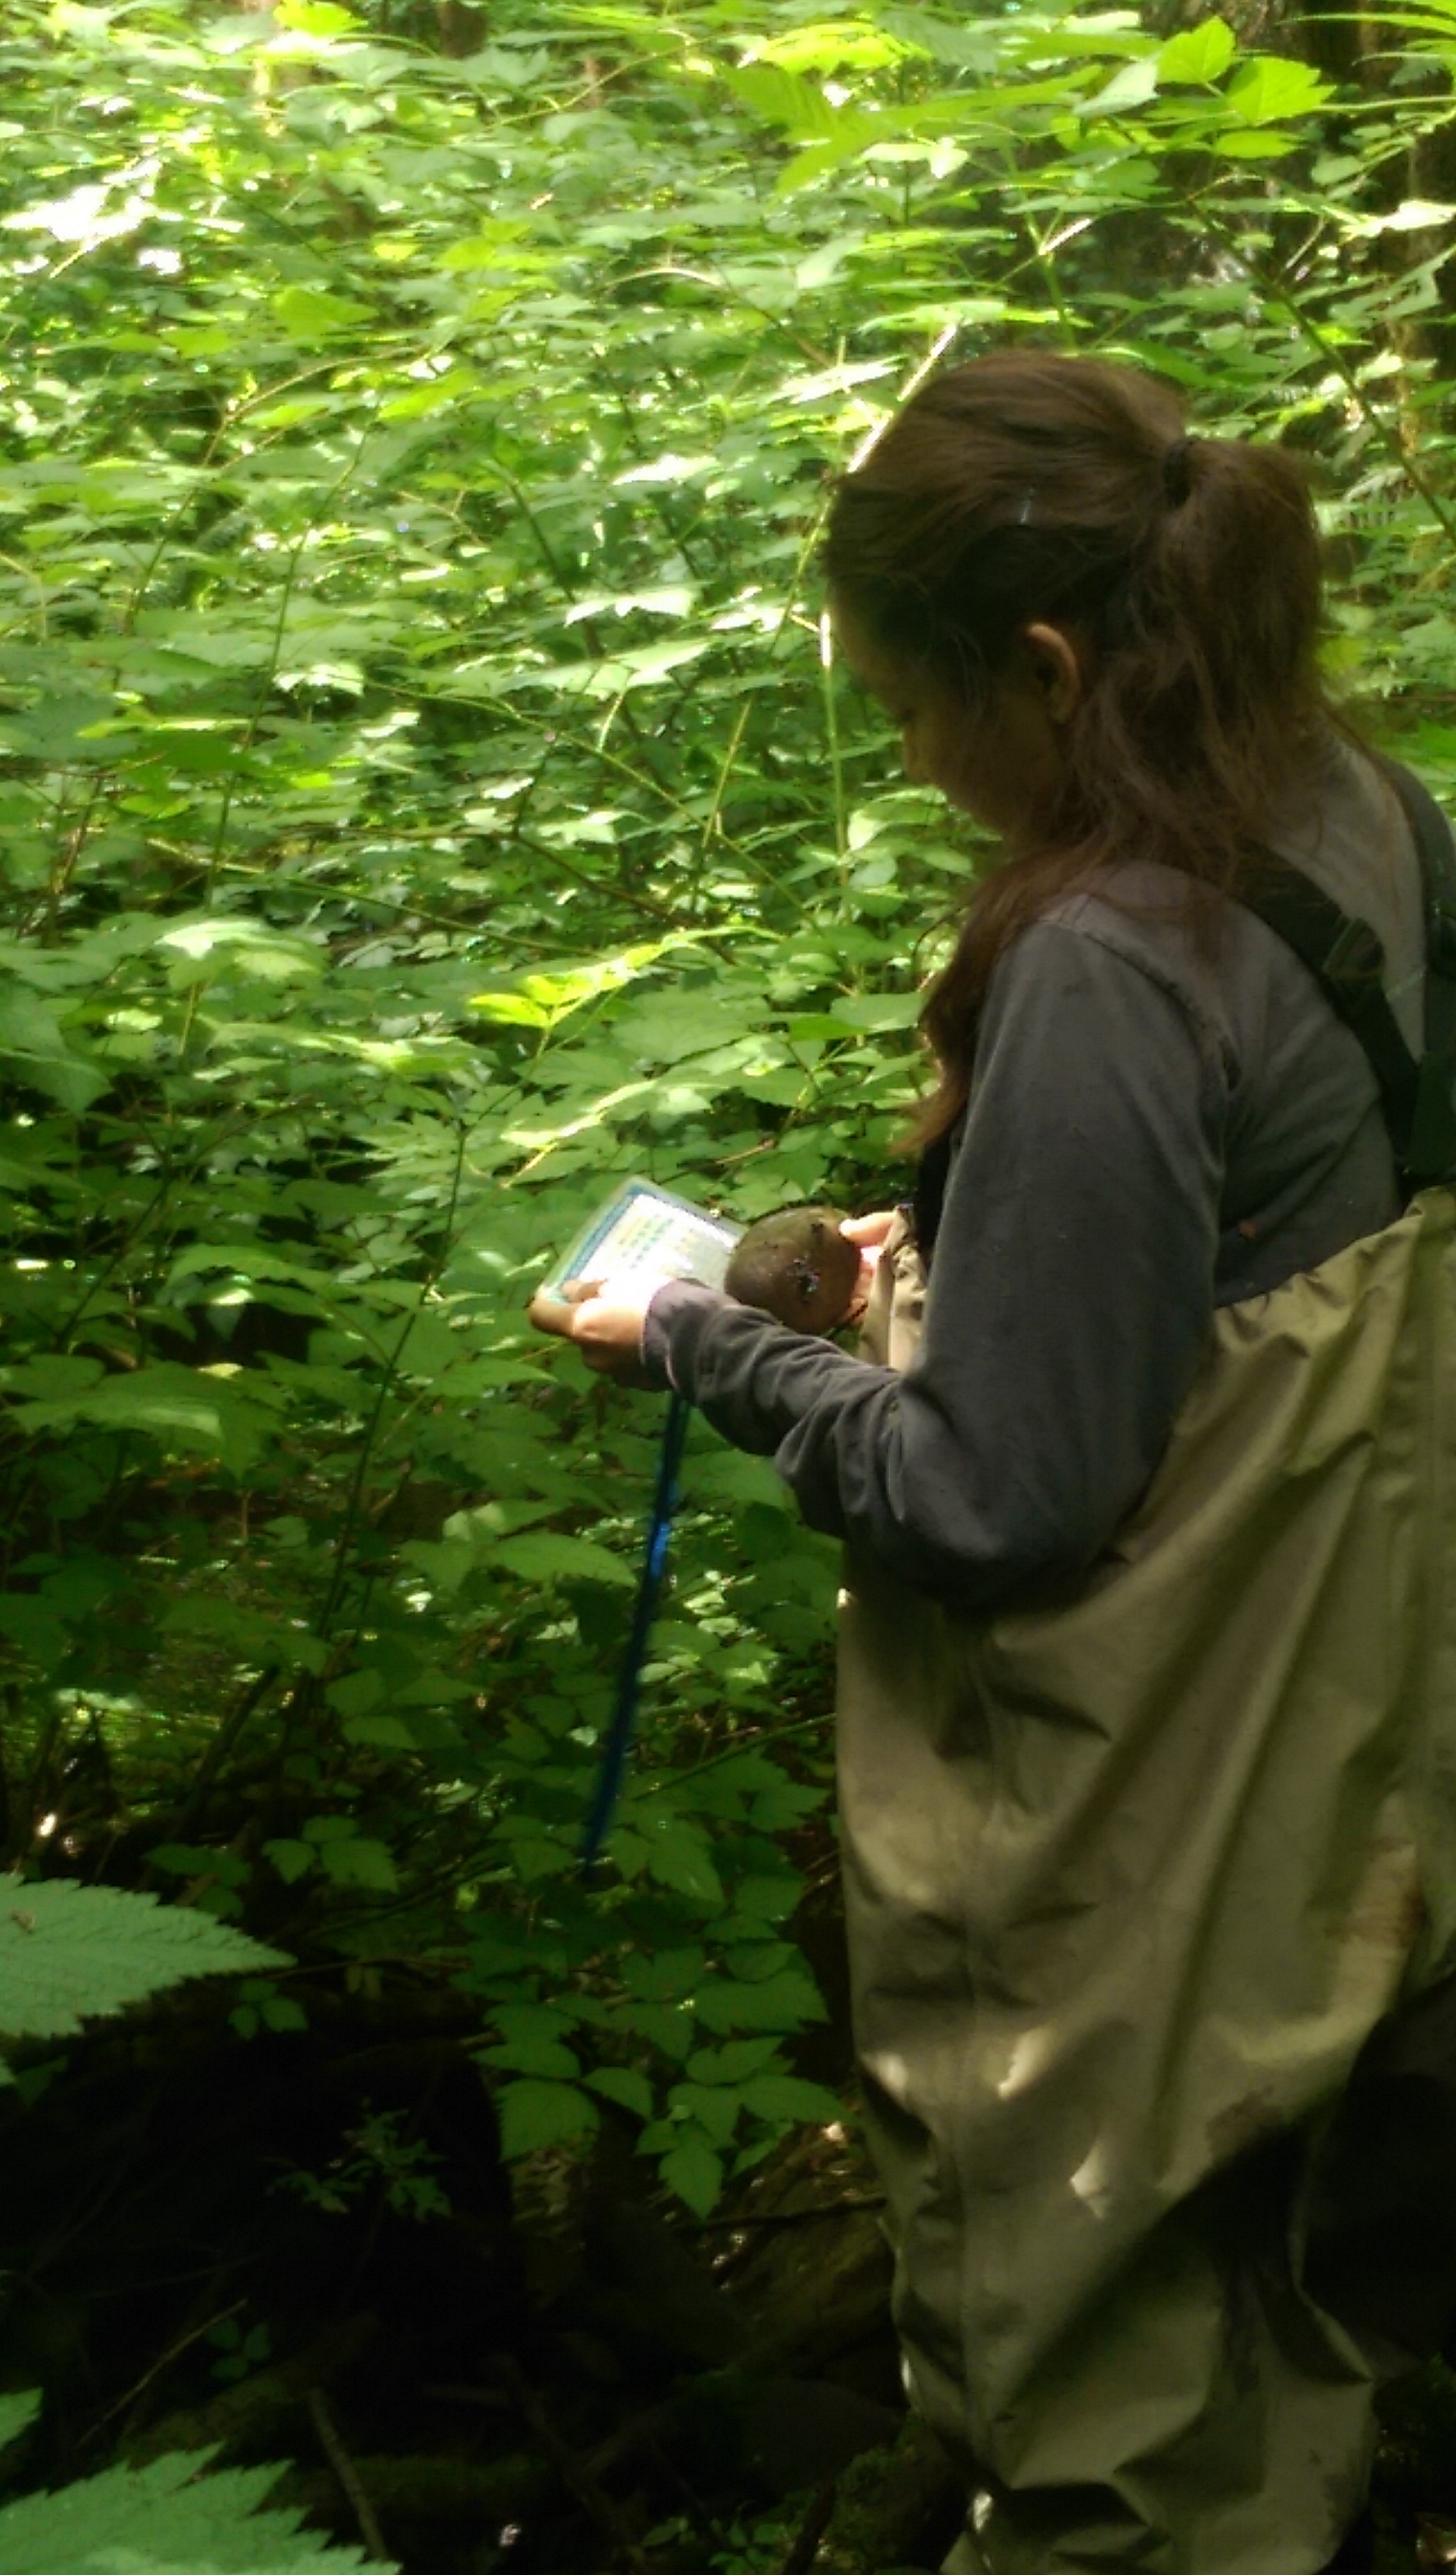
870,1233
605,1318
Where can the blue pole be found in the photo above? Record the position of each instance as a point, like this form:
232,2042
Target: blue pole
619,1739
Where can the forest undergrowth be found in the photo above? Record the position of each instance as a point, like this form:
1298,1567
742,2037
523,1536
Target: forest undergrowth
427,797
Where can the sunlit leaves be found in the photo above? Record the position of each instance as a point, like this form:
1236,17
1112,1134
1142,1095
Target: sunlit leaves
418,816
1270,87
1202,53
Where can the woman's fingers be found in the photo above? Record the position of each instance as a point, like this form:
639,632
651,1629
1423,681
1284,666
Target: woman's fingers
868,1233
554,1314
869,1230
602,1317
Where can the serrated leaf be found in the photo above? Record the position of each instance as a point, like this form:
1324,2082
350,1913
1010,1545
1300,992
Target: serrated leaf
733,2063
624,2085
783,2001
714,2109
791,2097
549,1555
695,2172
69,1952
534,2114
545,2056
1200,54
291,1859
163,2519
1270,86
678,1857
666,2025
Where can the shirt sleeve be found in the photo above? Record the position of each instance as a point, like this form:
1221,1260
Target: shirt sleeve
1070,1295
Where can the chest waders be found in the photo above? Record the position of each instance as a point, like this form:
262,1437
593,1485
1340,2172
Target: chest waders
1139,1876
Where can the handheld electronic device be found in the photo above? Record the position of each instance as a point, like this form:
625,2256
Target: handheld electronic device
647,1232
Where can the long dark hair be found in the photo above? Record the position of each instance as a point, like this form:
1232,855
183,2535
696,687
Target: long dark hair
1026,486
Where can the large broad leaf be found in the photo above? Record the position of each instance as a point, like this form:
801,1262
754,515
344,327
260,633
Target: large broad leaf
1200,54
30,1042
69,1951
193,1410
1269,87
546,1555
163,2519
695,2172
536,2114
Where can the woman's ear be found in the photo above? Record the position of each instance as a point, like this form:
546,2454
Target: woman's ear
1054,669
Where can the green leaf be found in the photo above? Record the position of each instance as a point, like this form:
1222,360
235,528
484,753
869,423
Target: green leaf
249,947
292,1860
548,1555
310,313
17,2413
1132,86
733,2063
533,2057
782,98
383,1734
1253,146
359,1861
1270,86
1202,53
695,2172
678,1857
69,1952
666,2025
624,2085
786,2000
32,1043
714,2109
163,2519
789,2096
534,2115
188,1410
875,1011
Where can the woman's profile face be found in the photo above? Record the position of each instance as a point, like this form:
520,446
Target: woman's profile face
999,760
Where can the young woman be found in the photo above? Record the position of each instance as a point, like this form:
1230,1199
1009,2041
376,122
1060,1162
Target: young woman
1147,1707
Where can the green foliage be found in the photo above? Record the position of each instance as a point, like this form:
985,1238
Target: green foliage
165,2519
68,1951
427,797
384,2164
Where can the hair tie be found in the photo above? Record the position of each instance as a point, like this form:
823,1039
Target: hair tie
1176,477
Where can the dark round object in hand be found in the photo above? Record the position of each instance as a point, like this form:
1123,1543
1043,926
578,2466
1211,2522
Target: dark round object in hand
799,1267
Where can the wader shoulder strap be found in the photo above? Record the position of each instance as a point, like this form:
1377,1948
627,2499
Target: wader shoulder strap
1432,1154
1348,961
1345,956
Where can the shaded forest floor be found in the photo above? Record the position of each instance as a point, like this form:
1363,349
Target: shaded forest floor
305,2246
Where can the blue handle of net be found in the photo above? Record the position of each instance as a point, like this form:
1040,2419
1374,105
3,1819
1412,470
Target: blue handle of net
618,1739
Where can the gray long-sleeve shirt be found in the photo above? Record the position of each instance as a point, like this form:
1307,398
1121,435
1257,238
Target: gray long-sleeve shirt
1161,1123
